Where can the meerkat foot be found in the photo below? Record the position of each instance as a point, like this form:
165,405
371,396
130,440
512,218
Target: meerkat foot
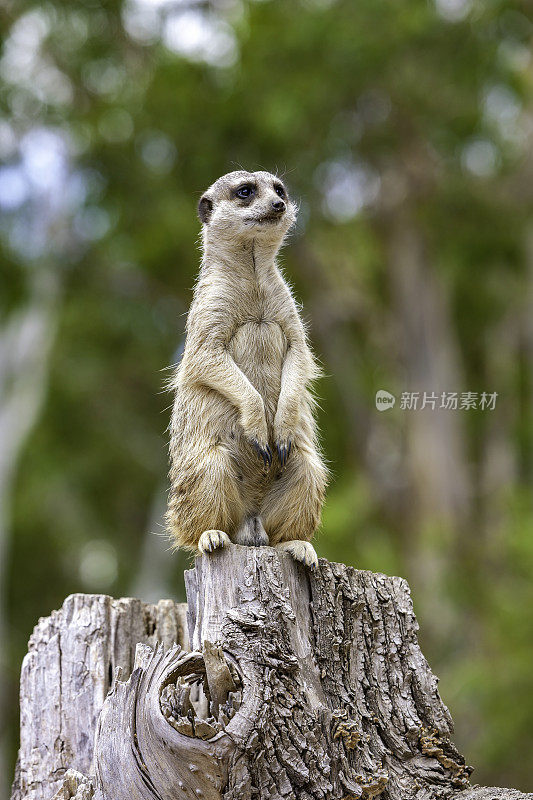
251,533
300,551
212,540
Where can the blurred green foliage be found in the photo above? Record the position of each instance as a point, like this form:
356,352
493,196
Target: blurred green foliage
405,129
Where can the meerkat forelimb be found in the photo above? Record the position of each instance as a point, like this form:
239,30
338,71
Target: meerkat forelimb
245,464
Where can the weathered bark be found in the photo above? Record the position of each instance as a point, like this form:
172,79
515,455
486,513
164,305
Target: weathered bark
299,685
26,339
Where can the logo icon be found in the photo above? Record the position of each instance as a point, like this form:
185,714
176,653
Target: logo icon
384,400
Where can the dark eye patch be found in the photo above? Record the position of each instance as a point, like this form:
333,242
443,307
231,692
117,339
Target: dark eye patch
279,189
245,192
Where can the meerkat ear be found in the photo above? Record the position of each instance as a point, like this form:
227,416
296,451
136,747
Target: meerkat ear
205,208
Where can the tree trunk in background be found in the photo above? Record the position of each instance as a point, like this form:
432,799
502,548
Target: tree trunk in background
156,569
435,457
299,685
25,344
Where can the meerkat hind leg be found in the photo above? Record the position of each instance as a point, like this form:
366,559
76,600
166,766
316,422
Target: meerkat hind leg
212,540
300,551
251,532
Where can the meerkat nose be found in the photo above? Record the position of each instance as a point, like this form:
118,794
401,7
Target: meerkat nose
278,206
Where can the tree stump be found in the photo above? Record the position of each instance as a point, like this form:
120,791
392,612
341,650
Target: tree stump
298,684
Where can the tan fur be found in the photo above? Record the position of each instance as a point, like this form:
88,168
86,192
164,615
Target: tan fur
244,380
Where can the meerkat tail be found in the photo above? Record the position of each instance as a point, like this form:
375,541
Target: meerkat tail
251,532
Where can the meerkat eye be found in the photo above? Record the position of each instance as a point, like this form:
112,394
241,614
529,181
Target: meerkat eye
245,191
278,188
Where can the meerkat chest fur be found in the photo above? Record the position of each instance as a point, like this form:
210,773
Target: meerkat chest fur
259,306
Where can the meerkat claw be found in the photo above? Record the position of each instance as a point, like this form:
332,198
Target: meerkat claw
283,452
263,452
212,540
300,551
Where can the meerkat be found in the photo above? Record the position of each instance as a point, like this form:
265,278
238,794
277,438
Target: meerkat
245,462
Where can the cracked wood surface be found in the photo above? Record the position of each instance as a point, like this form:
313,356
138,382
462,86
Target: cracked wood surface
304,685
66,674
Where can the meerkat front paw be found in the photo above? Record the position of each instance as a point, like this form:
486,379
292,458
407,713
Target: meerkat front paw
283,449
255,429
213,540
284,427
262,450
300,551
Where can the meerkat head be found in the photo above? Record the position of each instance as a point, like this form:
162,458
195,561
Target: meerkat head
247,205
